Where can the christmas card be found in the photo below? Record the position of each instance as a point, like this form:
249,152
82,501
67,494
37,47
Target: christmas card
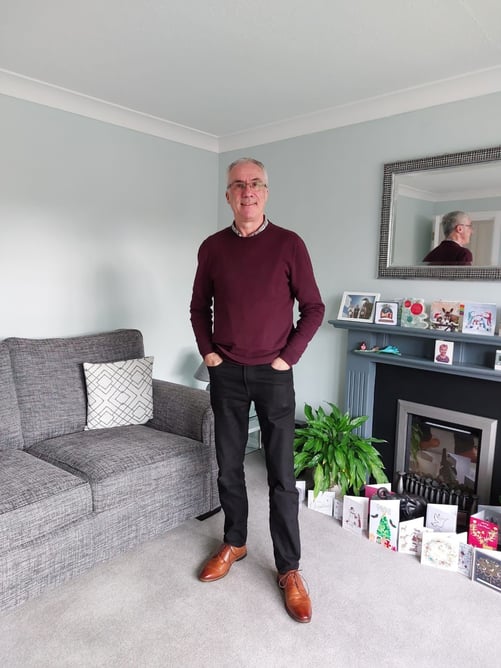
445,316
441,517
410,536
441,549
322,503
356,514
492,514
482,532
465,559
384,517
369,490
487,568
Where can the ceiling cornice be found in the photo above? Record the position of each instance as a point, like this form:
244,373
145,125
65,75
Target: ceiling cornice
472,85
24,88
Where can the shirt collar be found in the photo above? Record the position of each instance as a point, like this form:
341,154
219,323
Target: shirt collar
259,229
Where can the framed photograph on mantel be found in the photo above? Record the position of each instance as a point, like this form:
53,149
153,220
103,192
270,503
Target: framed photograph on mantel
478,318
358,306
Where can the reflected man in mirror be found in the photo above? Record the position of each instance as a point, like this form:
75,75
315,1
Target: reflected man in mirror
457,229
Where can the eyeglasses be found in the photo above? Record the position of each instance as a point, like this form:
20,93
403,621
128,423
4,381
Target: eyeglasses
254,185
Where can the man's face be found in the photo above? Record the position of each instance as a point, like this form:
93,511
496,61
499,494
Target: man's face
246,196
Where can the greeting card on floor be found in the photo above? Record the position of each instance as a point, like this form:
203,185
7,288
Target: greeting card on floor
410,536
487,568
384,518
441,549
356,514
465,559
441,517
482,532
322,503
492,514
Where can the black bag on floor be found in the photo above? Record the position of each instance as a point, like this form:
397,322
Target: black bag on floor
411,505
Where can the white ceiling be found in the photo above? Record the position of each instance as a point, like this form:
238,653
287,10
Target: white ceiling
223,74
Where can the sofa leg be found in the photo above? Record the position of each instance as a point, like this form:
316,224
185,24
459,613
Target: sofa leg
208,514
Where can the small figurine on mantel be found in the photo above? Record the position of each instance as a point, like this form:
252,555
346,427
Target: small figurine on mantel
362,347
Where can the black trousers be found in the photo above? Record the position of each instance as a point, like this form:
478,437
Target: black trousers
232,388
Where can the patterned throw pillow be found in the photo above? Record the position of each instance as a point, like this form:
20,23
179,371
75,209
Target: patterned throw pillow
119,393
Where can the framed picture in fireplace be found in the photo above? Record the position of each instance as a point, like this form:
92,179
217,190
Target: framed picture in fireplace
358,306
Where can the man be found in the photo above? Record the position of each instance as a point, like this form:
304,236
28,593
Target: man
248,278
457,229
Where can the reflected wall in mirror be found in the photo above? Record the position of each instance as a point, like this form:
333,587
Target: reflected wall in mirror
417,193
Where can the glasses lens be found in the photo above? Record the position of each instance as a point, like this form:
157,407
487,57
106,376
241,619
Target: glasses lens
256,184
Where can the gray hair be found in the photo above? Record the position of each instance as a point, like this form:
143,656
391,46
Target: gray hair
243,161
450,221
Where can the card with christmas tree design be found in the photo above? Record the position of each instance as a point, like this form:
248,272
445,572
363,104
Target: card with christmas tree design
384,518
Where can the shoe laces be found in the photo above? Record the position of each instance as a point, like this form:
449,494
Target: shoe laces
295,575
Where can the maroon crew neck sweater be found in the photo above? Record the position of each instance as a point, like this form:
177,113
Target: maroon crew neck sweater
244,292
449,252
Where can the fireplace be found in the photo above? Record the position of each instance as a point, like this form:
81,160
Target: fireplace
452,449
377,382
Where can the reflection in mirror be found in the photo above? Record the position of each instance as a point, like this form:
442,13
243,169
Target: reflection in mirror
417,194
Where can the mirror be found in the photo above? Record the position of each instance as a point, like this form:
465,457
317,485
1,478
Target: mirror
417,193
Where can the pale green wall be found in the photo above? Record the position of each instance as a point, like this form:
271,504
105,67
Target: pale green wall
100,225
99,230
327,186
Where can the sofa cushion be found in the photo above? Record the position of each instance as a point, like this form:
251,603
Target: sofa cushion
10,422
119,393
37,498
122,463
49,378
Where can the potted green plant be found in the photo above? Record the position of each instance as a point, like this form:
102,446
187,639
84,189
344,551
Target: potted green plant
339,457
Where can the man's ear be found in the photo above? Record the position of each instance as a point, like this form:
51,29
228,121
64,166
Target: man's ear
227,197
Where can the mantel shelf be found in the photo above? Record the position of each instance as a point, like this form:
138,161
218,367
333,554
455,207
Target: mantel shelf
473,355
409,361
396,330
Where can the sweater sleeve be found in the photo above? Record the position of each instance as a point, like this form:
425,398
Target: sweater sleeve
201,310
311,308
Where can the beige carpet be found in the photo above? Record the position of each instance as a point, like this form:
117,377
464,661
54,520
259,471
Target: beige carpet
147,609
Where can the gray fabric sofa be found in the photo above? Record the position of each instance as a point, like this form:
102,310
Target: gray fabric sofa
70,497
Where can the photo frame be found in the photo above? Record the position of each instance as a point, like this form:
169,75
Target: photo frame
358,306
444,352
497,361
478,318
386,313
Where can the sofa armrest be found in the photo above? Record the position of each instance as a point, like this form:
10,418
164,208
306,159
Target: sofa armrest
182,410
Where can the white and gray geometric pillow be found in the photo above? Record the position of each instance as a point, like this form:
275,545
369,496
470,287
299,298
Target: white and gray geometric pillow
119,393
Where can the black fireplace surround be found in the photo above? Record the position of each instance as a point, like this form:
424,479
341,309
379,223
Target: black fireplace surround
376,381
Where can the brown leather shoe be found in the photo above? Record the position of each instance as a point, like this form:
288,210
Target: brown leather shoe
219,565
297,601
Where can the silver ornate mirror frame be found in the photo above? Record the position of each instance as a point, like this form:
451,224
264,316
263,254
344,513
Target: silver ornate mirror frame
385,268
